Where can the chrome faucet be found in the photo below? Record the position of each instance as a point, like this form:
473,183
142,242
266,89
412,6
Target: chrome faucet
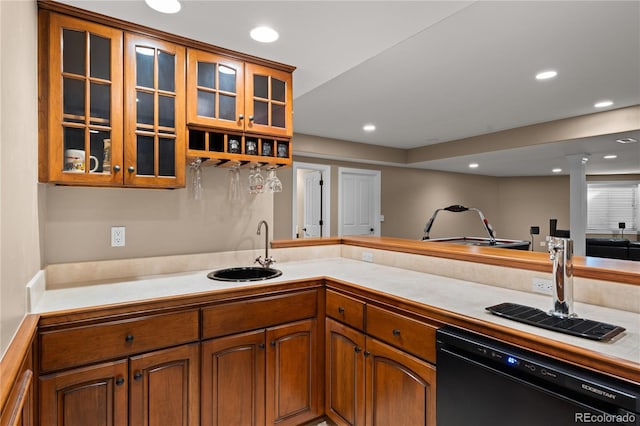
268,260
561,253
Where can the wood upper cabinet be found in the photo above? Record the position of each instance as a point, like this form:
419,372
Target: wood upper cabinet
269,100
112,106
155,129
215,87
80,101
95,395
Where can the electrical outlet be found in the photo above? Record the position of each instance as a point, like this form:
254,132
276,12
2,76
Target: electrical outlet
367,256
542,285
117,236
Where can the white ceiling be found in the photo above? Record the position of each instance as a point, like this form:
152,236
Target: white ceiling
427,72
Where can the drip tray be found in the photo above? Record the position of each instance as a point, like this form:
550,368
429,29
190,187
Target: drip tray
580,327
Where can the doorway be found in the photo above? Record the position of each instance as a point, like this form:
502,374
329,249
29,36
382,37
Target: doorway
359,202
311,200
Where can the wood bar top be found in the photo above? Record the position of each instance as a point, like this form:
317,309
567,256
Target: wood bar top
622,271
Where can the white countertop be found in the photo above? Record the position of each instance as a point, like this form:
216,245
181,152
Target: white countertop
462,297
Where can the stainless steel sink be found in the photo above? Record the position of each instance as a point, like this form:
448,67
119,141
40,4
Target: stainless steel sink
248,273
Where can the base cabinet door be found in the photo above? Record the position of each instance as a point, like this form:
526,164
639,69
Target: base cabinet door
87,396
293,381
345,374
233,380
164,387
400,389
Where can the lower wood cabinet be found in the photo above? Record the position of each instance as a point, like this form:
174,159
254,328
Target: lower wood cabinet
154,389
265,376
371,383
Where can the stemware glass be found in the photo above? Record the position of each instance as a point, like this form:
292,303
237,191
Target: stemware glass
259,181
196,179
273,182
233,191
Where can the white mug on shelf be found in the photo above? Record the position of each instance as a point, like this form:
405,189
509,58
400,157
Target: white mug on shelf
74,161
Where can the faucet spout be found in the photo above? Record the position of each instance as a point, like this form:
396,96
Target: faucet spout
561,253
267,261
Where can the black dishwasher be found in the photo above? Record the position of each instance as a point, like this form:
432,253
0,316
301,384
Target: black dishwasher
483,382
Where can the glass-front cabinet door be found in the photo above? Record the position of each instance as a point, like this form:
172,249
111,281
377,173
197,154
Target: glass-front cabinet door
84,103
269,100
216,91
155,114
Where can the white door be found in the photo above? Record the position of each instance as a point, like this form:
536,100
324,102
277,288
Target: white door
312,204
359,207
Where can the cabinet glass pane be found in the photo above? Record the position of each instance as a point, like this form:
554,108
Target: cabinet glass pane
261,86
99,57
73,138
144,66
227,107
278,88
145,108
74,51
261,112
100,101
207,75
166,72
73,99
227,79
206,104
196,139
277,115
145,155
166,111
100,143
166,157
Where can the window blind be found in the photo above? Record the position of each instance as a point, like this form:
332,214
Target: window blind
611,203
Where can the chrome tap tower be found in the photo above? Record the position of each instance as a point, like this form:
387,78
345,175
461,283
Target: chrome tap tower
561,253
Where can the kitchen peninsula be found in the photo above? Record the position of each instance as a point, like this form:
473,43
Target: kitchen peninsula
422,291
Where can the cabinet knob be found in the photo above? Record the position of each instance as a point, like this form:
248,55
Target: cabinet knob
261,345
120,381
131,169
367,353
116,168
251,118
273,343
340,310
357,349
137,375
241,117
129,338
396,332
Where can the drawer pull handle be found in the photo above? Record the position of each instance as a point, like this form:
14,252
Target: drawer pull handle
129,338
340,310
357,349
137,375
120,381
396,332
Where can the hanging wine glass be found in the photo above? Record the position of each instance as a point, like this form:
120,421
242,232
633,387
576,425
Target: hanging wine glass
252,181
273,183
233,190
196,179
259,181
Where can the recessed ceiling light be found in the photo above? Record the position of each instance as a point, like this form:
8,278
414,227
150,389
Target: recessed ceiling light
369,127
264,34
603,104
610,157
473,165
556,170
545,75
626,140
164,6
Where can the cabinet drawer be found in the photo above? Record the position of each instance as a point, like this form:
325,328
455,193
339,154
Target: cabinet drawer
235,317
345,309
403,332
96,342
